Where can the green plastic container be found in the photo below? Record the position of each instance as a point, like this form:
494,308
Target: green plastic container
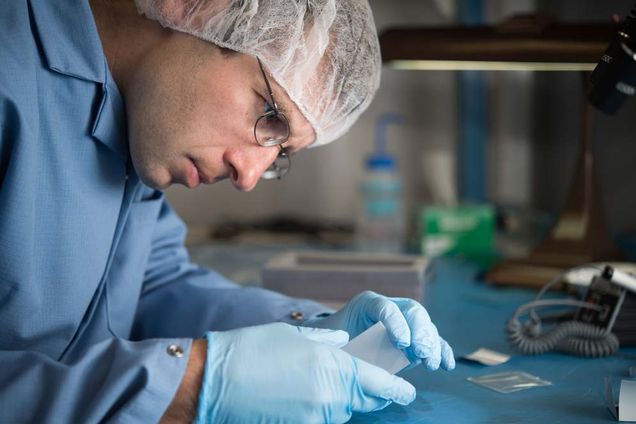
465,231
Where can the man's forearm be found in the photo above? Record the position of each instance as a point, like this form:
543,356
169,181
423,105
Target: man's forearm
183,407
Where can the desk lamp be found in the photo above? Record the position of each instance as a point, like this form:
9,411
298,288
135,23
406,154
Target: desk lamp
535,43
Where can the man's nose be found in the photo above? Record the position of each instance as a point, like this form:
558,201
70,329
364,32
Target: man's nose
248,164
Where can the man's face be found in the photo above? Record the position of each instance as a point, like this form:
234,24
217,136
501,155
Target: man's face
191,113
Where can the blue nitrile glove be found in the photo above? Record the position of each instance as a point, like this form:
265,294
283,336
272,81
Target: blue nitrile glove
279,373
406,321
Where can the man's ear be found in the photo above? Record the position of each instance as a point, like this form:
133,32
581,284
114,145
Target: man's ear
174,12
193,14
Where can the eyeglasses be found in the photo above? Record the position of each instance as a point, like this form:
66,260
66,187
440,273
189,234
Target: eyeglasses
272,129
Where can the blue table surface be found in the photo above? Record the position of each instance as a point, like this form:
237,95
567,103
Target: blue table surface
470,315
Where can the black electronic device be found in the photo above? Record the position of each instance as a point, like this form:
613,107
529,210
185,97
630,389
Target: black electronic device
617,303
614,78
625,324
608,296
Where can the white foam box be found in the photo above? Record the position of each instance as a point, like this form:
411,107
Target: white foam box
338,276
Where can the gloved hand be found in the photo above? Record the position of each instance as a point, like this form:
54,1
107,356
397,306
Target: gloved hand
406,321
278,373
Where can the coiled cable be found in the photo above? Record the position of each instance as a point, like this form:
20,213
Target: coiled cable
573,337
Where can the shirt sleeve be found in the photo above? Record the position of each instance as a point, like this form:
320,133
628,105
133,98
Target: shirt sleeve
112,381
181,299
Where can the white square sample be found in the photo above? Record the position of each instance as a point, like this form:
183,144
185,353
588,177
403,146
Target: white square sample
487,357
375,347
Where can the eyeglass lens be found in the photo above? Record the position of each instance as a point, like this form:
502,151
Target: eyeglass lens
271,129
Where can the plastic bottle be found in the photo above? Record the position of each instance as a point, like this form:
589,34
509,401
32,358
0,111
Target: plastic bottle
381,217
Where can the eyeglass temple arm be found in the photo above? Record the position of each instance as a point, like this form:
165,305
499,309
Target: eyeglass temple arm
269,88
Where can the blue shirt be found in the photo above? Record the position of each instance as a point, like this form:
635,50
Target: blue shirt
95,282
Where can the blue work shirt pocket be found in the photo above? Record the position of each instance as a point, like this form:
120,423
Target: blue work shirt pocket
126,277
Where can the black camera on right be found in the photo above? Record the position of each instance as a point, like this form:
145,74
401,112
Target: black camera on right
614,78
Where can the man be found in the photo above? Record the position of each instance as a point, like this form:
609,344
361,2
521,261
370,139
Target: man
101,313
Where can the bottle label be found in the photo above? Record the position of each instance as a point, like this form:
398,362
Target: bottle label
381,208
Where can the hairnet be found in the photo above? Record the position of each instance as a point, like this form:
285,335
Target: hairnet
324,53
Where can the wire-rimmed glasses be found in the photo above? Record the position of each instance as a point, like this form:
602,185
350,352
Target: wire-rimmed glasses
272,129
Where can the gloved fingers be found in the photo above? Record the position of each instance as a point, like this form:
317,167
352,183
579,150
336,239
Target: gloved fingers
377,385
447,360
425,340
335,338
383,309
371,404
448,357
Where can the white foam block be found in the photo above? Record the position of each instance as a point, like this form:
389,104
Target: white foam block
627,401
374,346
625,409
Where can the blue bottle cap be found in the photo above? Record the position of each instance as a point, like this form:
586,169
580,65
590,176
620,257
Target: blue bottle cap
380,161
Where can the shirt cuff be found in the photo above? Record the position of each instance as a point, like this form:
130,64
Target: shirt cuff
166,361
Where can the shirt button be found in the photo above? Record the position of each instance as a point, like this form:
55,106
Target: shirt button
126,177
296,315
175,350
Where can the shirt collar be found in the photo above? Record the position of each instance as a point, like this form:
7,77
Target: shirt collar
71,45
69,38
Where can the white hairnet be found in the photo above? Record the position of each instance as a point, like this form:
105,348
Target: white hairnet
324,53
